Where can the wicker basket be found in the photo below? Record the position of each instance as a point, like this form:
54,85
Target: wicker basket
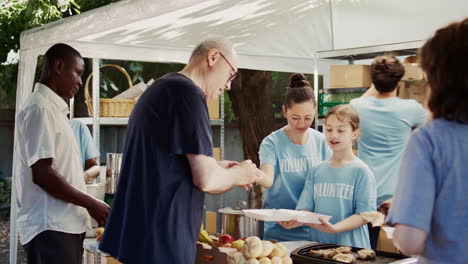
110,107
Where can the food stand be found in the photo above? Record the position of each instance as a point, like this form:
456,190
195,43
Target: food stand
269,35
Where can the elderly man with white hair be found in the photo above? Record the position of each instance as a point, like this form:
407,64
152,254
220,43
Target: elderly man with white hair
168,165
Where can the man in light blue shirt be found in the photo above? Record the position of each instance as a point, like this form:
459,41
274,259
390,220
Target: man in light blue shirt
88,151
386,124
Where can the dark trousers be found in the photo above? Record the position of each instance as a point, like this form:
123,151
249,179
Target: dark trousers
53,247
373,235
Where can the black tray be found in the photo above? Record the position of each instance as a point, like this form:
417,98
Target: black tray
301,255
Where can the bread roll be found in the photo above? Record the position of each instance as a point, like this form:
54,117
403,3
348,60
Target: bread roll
276,260
267,249
253,247
252,261
264,260
279,251
237,258
287,260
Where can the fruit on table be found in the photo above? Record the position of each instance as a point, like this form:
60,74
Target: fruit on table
238,244
204,237
225,239
99,233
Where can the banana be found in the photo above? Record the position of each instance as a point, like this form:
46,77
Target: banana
204,237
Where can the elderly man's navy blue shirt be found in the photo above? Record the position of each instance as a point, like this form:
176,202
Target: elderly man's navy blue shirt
157,210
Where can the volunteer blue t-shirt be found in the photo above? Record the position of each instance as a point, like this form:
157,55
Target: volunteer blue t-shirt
157,210
340,193
386,125
432,190
84,140
291,163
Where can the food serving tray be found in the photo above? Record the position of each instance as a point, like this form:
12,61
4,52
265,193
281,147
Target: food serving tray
276,215
302,256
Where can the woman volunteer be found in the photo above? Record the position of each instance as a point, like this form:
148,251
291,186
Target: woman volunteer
288,153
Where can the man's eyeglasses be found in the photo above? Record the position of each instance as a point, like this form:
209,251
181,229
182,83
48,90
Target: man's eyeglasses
232,77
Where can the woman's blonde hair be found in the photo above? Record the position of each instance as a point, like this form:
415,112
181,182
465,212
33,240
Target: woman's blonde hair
345,113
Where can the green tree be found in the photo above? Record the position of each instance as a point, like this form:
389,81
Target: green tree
17,16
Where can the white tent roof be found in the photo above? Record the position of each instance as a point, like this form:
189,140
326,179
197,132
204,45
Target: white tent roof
281,35
277,35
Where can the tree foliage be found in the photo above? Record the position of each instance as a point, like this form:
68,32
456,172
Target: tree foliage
17,16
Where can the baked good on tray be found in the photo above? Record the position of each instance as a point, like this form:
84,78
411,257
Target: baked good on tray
317,253
344,250
329,253
346,258
366,254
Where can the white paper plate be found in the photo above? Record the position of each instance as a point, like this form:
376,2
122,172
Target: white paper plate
275,215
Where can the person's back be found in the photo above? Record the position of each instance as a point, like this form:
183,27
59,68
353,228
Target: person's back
445,145
430,208
386,125
84,141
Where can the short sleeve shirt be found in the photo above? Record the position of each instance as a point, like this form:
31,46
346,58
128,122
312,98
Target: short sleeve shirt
84,141
43,132
291,163
157,210
340,193
431,193
385,126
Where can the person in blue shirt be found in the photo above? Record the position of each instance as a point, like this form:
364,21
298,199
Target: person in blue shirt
288,153
386,124
341,187
88,151
430,208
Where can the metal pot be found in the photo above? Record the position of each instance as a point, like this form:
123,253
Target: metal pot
235,223
114,162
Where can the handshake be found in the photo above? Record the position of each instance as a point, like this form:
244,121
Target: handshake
246,172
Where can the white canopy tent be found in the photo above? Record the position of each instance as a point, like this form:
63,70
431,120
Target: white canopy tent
281,35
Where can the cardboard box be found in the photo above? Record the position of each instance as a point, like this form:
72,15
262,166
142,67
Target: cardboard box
385,243
213,109
91,258
217,153
415,90
412,72
350,76
211,222
207,254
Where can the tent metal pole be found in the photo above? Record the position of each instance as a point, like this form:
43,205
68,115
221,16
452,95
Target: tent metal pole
96,110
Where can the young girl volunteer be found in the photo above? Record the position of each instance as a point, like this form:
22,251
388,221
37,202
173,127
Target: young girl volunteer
342,187
288,153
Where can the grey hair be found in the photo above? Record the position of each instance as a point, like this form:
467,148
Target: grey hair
221,43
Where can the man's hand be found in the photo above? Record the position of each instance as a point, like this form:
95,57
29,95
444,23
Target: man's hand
324,226
290,224
249,173
385,207
227,163
99,211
